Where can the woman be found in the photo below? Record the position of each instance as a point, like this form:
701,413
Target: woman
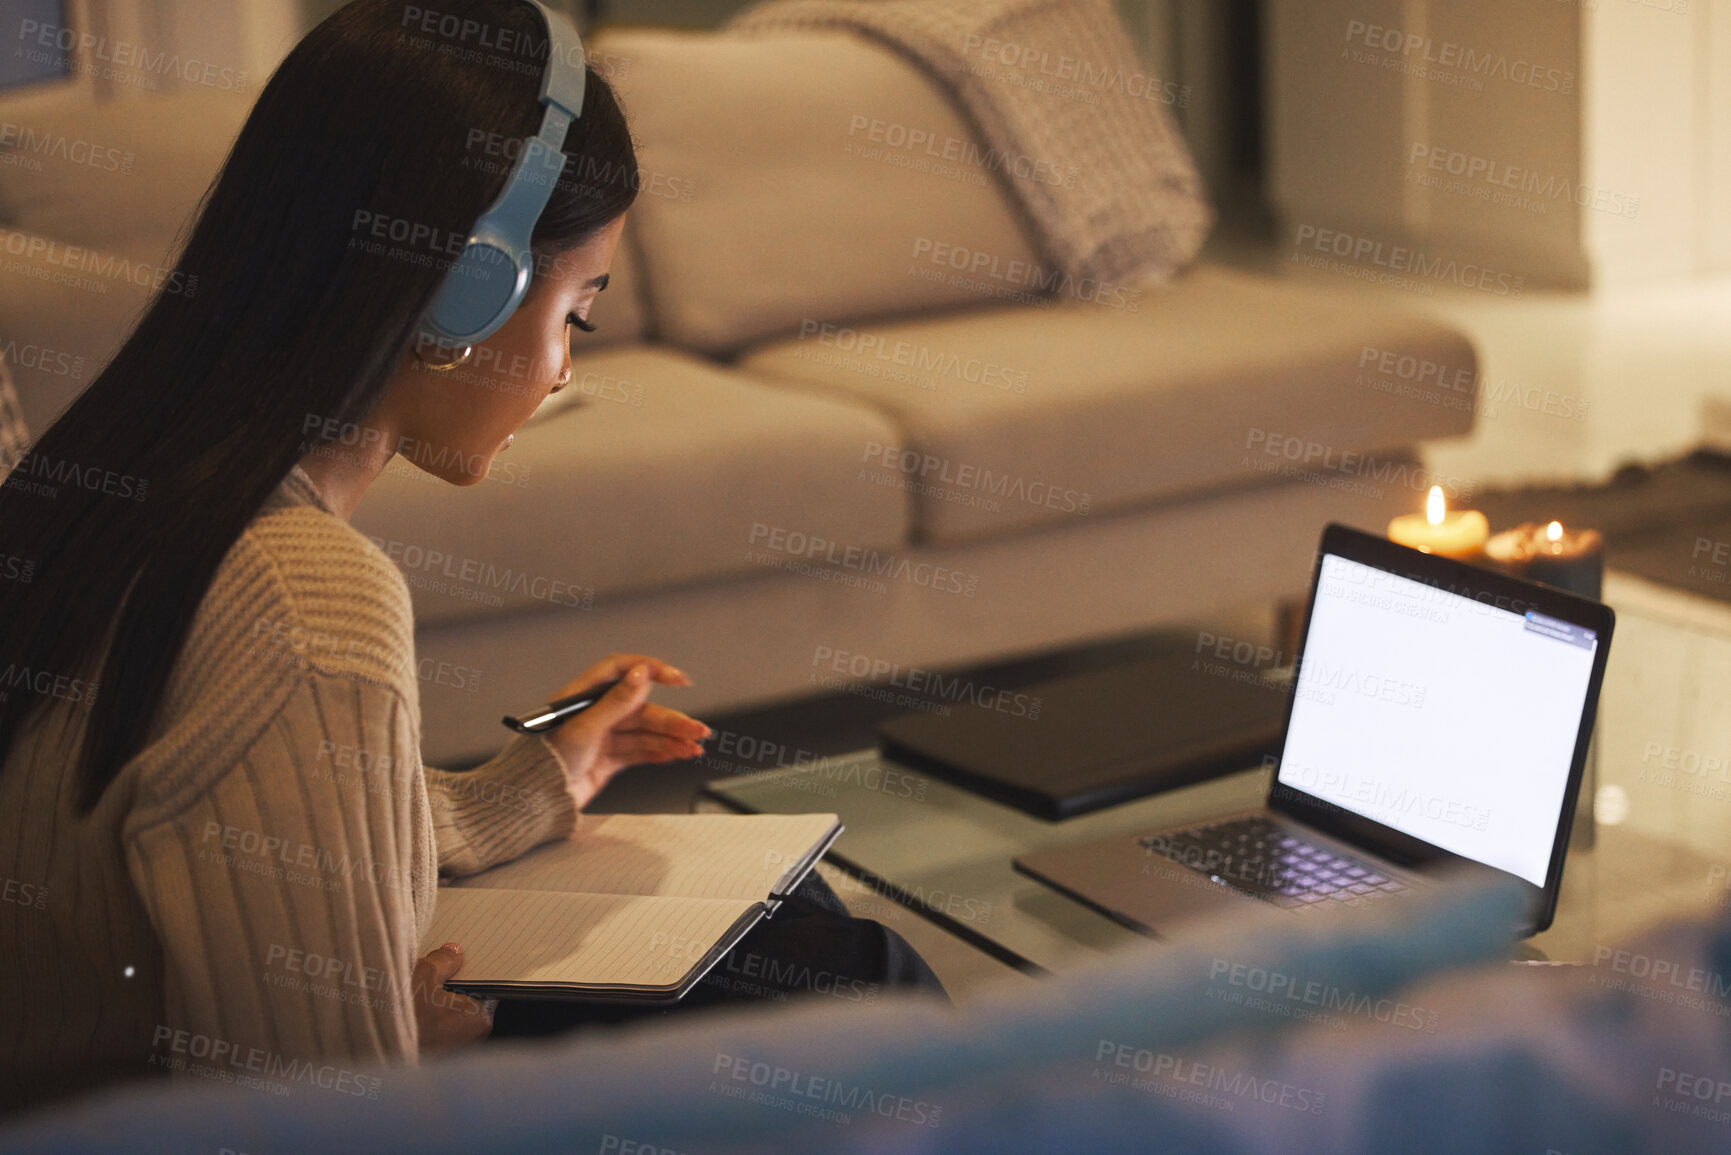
231,849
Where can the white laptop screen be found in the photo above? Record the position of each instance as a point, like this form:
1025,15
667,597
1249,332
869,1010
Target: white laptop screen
1446,718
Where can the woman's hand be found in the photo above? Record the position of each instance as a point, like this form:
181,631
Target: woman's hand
623,728
446,1019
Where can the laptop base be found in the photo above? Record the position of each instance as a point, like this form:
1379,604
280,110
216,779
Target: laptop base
1145,890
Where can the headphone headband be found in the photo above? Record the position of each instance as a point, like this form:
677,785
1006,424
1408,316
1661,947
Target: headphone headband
487,281
563,82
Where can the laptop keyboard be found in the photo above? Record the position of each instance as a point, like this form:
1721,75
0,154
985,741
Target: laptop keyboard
1274,863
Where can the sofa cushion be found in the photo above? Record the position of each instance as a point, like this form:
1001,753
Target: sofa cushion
780,185
618,313
63,313
651,469
1018,417
124,176
65,310
110,174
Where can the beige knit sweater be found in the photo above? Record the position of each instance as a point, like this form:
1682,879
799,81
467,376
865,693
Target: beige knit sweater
246,901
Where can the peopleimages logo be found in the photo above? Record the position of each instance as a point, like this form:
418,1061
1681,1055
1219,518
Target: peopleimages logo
921,359
92,264
582,174
1350,462
47,684
471,579
1398,261
617,1145
979,480
801,552
1262,989
1068,75
42,40
992,274
344,762
961,907
232,1062
1484,179
29,894
469,39
47,473
1685,1092
1180,1075
24,143
958,150
273,856
1379,799
367,442
43,360
324,967
1663,972
928,682
1459,387
1410,52
287,641
813,1095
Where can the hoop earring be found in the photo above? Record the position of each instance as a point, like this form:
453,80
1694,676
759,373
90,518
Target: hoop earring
444,366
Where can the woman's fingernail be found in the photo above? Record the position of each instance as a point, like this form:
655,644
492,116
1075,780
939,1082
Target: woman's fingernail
454,948
639,672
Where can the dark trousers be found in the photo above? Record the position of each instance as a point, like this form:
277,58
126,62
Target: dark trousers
810,948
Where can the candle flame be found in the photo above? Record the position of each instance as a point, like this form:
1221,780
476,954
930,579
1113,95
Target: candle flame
1554,531
1433,506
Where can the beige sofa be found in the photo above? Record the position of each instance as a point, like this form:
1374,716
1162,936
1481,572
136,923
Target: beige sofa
833,425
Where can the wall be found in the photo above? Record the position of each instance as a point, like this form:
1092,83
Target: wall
20,66
146,47
1658,111
1211,49
249,36
1364,95
1608,165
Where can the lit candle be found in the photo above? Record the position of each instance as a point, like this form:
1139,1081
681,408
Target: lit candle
1572,560
1458,533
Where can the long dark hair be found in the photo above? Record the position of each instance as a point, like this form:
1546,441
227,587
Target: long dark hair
297,309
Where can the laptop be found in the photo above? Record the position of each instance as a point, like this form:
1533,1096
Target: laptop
1438,719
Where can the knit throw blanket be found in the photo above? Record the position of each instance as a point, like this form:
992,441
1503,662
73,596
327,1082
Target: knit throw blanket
13,436
1085,144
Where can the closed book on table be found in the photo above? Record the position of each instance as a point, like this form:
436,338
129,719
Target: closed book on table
632,908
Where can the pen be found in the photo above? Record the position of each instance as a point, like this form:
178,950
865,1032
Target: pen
544,718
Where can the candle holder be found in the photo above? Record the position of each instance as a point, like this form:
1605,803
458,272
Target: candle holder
1560,558
1572,560
1456,533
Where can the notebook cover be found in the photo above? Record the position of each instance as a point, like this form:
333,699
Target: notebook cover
1101,738
660,996
642,996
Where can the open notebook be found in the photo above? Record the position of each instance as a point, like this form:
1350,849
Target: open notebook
632,908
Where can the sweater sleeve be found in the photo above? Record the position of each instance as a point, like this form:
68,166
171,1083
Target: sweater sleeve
282,894
500,809
282,836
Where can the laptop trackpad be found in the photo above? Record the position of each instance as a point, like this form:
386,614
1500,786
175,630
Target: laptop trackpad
1132,884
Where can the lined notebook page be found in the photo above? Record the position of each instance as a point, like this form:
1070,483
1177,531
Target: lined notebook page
552,936
738,856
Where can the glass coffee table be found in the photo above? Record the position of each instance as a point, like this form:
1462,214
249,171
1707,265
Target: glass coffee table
1659,845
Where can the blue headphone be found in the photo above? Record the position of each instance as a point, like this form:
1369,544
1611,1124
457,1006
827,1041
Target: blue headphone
487,281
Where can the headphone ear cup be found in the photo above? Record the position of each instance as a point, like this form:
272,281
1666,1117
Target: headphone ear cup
482,284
